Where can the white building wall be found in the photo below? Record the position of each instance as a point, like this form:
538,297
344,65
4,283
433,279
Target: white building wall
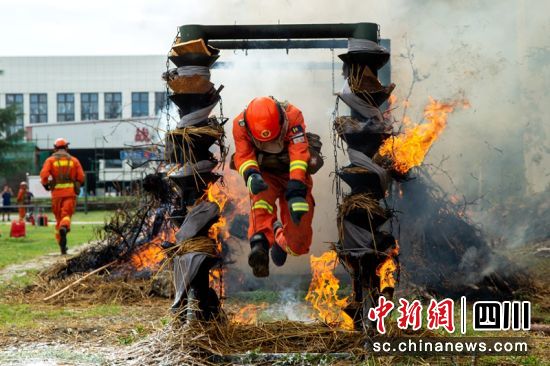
84,74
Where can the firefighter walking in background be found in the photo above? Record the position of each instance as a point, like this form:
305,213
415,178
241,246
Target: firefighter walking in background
21,198
273,156
62,174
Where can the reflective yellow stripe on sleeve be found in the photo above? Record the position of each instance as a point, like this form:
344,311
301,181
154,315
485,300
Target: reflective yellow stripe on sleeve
64,185
247,164
298,164
262,204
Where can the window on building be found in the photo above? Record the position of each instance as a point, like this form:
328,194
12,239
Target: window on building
39,108
160,102
65,107
113,163
88,106
113,105
17,101
140,104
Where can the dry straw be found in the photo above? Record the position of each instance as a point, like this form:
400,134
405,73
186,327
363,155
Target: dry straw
189,136
361,201
346,124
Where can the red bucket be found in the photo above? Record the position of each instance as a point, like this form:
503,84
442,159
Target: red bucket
17,229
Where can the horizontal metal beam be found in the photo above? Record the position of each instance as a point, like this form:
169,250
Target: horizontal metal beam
279,44
280,31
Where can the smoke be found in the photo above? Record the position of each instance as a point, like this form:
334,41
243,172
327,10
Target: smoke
290,306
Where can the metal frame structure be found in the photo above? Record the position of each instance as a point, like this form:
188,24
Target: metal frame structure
280,36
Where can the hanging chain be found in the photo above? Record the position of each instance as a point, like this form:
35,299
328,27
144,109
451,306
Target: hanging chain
336,183
221,110
221,141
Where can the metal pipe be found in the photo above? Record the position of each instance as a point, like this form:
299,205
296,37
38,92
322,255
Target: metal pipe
279,44
280,31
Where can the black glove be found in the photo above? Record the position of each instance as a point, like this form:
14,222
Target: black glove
256,183
47,186
295,195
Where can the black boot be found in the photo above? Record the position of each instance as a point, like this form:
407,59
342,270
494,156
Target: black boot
258,258
278,254
63,239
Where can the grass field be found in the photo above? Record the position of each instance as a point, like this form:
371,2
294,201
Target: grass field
41,240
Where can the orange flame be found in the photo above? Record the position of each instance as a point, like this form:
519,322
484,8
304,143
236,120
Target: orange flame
410,148
387,270
216,281
148,256
322,293
249,313
151,254
236,189
217,232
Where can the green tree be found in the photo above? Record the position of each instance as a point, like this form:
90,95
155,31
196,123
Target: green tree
10,143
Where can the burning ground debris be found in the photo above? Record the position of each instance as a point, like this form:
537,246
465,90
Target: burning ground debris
445,254
323,292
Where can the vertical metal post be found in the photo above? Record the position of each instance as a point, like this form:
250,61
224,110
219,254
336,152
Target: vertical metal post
86,193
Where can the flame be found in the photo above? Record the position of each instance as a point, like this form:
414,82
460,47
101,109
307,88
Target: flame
236,189
387,270
410,148
218,232
216,281
234,192
148,256
322,293
151,254
249,313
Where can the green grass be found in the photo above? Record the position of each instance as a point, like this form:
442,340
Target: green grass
91,216
39,241
28,316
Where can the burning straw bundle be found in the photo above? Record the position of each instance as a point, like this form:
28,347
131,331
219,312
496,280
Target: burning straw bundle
125,231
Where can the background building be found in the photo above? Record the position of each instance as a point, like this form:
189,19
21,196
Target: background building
104,105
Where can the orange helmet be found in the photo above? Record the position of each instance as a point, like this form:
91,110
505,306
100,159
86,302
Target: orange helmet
60,143
263,117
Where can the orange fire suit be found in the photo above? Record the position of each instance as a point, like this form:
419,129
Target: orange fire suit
21,201
65,171
295,239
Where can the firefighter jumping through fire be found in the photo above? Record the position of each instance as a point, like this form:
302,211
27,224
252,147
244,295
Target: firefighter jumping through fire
62,174
275,157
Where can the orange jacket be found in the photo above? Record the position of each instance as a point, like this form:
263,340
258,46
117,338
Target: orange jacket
21,195
65,171
295,142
